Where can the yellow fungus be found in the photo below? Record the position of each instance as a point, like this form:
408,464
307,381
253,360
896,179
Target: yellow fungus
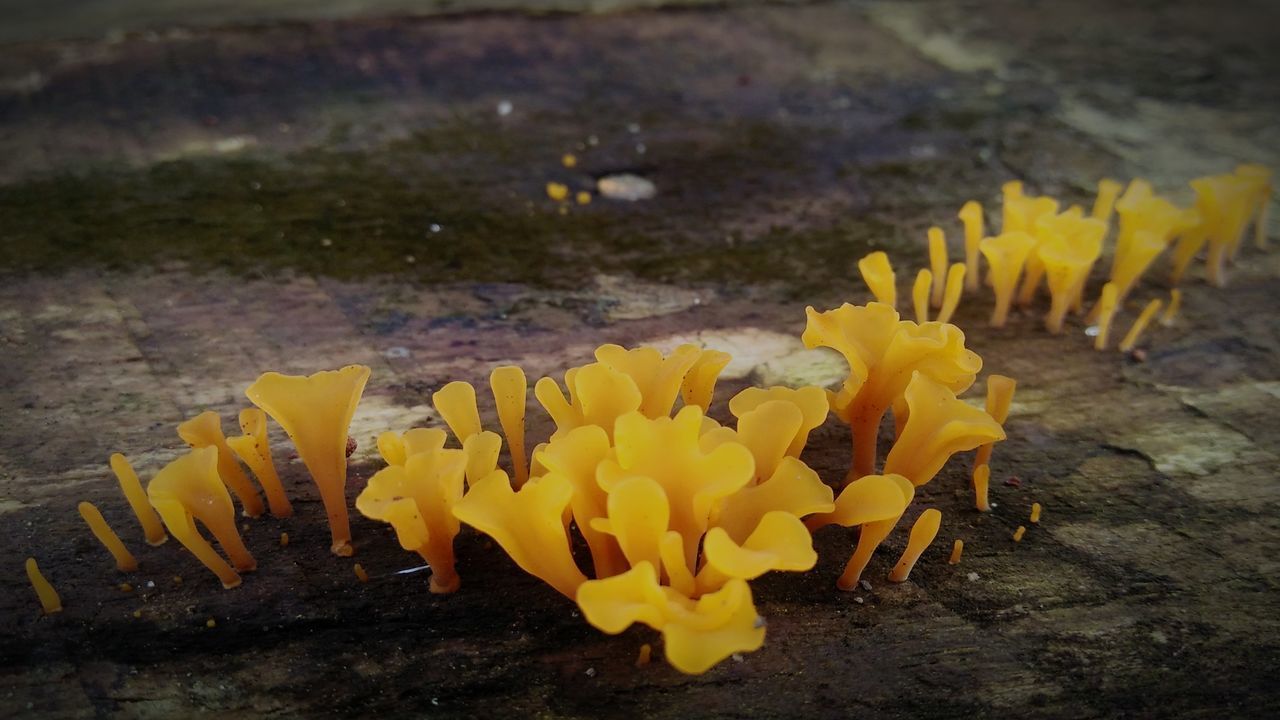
1223,204
920,295
1006,255
137,497
1106,311
873,502
699,384
937,263
456,403
923,532
189,489
1035,513
557,191
598,396
583,197
1105,202
568,160
1148,223
882,352
646,653
1139,325
877,273
981,487
316,413
938,426
1017,534
957,549
361,575
574,457
1067,254
177,579
1171,311
205,430
284,539
510,395
812,402
125,587
1000,389
417,499
210,623
137,613
951,292
971,216
1260,176
779,542
254,450
49,599
125,561
658,377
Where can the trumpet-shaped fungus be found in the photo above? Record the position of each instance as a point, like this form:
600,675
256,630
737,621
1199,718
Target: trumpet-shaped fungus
205,430
877,273
811,400
189,489
417,499
938,426
874,503
49,600
125,561
253,450
699,383
1067,255
658,377
1006,255
922,534
137,497
316,412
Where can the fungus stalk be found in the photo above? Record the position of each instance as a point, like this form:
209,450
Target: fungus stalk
1000,391
1171,312
1106,312
205,430
137,497
951,295
937,264
125,561
1140,325
920,295
971,216
923,532
982,487
49,600
957,549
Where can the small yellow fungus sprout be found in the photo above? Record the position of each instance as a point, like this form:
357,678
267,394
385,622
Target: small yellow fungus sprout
811,400
417,499
1000,391
316,413
557,191
957,549
1105,202
882,352
874,503
920,295
923,532
284,539
877,273
1035,513
1006,255
205,430
951,292
189,489
1106,312
1140,325
1171,311
699,384
137,497
211,623
49,600
937,263
938,426
981,487
1017,534
361,575
569,160
971,216
646,653
583,197
510,395
125,561
253,450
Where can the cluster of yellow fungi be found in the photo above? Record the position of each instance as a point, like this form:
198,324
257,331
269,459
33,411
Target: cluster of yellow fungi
1042,245
677,511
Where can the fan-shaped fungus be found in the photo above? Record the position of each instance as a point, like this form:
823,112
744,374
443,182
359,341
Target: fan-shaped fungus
1006,254
658,377
699,384
920,295
316,412
971,216
873,502
510,394
937,263
882,352
811,400
1105,311
137,497
1171,311
951,293
1000,391
1068,254
938,426
923,532
205,430
877,273
253,450
125,561
49,599
189,489
417,499
1139,325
